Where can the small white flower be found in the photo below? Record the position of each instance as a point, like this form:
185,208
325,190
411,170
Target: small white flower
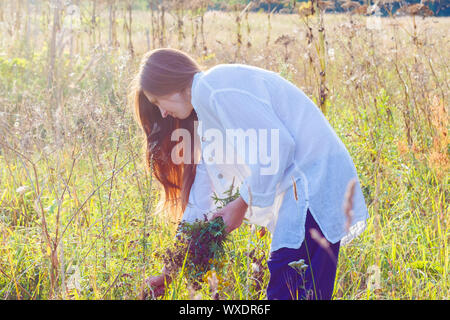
255,268
22,189
331,53
299,265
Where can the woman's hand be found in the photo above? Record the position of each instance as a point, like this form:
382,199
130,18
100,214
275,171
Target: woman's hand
156,284
232,214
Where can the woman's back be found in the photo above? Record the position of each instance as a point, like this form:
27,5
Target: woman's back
229,95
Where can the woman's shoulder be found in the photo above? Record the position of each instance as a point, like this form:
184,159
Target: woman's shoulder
235,76
234,69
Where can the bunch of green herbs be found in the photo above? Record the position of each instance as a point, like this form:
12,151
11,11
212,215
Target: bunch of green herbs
199,245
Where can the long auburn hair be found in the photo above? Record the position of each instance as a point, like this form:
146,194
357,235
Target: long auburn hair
165,71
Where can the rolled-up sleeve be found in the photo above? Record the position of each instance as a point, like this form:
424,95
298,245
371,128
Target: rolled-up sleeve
238,109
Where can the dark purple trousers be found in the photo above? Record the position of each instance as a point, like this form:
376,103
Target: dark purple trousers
316,282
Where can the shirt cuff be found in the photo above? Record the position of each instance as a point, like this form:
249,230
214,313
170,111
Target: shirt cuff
261,200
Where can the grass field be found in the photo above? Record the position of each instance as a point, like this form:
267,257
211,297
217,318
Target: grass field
78,211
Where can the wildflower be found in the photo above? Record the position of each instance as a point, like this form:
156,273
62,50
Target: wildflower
299,265
22,189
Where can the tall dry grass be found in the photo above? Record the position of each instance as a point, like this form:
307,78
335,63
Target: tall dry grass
78,215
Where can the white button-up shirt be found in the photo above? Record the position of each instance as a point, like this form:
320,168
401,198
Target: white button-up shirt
238,96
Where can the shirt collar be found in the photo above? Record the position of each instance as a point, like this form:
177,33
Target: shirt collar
195,80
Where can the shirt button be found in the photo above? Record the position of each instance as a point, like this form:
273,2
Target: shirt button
203,139
210,159
220,176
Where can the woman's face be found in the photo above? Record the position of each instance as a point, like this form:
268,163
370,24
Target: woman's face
177,105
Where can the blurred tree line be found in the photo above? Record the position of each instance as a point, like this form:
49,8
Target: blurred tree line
439,7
